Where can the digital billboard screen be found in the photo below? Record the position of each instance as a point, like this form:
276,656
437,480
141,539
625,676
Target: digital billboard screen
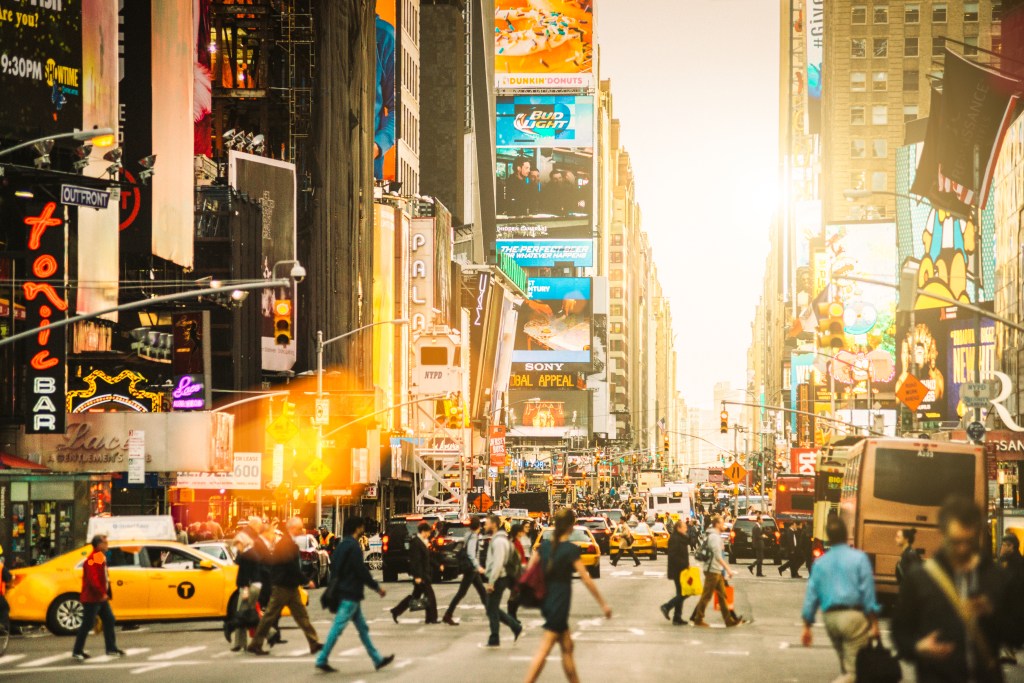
560,228
545,121
547,412
543,43
555,322
546,253
544,182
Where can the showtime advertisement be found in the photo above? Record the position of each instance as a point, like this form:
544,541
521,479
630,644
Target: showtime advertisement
543,44
940,350
555,323
545,121
547,253
547,413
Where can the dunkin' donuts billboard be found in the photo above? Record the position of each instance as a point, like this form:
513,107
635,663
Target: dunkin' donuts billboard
543,44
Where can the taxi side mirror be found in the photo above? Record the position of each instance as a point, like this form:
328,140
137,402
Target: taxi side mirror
206,564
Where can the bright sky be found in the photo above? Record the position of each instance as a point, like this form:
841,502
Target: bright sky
695,85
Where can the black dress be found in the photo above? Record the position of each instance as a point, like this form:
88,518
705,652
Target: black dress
558,578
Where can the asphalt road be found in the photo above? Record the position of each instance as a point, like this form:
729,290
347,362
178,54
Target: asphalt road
636,644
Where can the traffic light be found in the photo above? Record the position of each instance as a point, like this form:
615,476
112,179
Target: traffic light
724,427
832,334
455,413
283,322
664,445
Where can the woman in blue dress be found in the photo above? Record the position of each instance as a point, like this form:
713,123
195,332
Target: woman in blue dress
561,558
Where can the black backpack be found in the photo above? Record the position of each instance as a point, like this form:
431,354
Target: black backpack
513,566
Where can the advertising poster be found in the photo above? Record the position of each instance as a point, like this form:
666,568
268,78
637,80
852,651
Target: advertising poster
940,350
40,68
543,43
814,16
273,182
560,228
545,121
547,413
544,182
385,105
555,323
942,249
547,253
867,251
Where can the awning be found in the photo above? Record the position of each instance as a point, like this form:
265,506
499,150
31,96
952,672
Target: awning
13,462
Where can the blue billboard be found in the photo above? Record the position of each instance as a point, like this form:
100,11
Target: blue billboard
555,322
546,253
545,121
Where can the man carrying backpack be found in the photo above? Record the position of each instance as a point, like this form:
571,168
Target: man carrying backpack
472,572
503,569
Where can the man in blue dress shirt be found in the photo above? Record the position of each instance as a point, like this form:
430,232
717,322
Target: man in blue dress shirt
843,587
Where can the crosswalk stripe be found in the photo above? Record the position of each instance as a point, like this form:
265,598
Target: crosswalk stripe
297,653
43,661
180,652
151,667
7,659
130,652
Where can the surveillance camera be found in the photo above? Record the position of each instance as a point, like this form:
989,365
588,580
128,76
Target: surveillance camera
298,273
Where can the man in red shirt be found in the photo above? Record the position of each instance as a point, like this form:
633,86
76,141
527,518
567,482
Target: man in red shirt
95,600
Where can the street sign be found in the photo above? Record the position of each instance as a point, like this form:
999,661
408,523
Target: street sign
282,429
976,431
322,414
136,456
912,392
317,471
370,491
736,473
975,394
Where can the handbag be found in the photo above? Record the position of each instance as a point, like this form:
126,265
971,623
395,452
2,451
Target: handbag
877,664
690,581
418,604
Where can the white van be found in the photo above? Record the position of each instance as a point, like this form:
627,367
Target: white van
674,499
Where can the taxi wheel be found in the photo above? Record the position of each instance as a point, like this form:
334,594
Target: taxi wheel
654,554
65,615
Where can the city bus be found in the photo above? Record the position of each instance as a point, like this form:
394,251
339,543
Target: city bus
794,497
890,484
828,482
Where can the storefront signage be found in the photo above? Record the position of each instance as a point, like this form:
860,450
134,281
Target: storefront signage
46,352
246,475
421,277
547,380
73,195
136,456
98,442
122,392
188,393
803,460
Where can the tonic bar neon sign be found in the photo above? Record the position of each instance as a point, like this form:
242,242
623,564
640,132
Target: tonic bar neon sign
44,305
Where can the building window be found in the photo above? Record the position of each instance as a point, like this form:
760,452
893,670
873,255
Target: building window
879,181
857,179
860,14
939,13
616,275
880,81
997,44
881,14
858,81
857,116
616,240
910,47
970,46
858,48
616,256
879,115
617,310
616,292
879,148
997,11
912,14
938,46
858,150
970,11
911,81
881,47
909,113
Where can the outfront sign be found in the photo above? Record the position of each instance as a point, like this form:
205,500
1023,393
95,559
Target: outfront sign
73,195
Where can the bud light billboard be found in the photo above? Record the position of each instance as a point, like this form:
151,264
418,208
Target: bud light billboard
545,121
555,323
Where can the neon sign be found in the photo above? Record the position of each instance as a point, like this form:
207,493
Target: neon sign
189,393
47,352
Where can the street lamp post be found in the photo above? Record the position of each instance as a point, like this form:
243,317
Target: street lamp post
320,344
80,135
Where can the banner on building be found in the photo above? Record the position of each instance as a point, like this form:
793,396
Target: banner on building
545,121
544,183
548,413
543,44
814,34
547,253
555,323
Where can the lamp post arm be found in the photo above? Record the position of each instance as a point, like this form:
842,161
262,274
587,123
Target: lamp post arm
384,410
77,135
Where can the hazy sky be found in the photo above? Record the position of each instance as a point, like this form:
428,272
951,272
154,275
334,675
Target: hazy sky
695,85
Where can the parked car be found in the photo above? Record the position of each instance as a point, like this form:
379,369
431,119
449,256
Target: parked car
740,545
395,543
445,549
315,562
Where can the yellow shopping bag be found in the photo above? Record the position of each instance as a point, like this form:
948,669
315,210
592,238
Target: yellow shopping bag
690,581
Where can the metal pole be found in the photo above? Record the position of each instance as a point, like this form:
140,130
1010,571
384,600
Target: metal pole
977,289
736,487
320,429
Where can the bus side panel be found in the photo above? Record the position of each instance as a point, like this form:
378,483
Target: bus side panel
878,540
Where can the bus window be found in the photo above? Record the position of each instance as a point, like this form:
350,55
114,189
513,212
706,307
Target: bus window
802,502
948,474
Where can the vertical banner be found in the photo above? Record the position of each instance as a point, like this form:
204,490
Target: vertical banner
45,354
386,100
497,446
814,15
135,132
172,84
136,456
98,228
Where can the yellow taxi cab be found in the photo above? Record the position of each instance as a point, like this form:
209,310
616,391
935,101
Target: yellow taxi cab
661,534
643,540
580,536
150,581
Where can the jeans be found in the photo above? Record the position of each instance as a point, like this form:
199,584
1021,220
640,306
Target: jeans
469,578
494,612
281,597
89,612
349,610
